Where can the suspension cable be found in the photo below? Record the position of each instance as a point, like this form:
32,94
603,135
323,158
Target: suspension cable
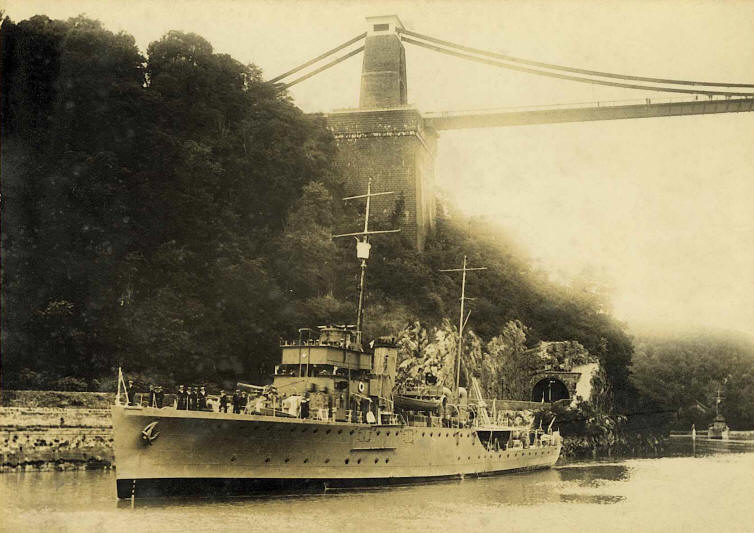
318,58
527,70
569,69
325,67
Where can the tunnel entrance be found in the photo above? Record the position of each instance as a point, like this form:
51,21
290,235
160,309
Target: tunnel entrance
549,390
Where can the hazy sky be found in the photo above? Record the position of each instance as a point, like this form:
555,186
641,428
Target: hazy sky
662,209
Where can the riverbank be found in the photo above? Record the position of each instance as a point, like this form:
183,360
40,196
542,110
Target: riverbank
45,438
53,430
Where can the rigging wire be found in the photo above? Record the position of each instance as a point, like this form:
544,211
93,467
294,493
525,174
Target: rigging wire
318,58
324,67
569,69
527,70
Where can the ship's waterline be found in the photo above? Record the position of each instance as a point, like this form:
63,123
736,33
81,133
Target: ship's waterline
164,452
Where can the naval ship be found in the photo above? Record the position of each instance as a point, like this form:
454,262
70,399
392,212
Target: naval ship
333,417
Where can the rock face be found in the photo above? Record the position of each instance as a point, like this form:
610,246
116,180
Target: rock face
565,371
55,438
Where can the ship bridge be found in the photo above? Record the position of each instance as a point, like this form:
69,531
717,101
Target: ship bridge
334,363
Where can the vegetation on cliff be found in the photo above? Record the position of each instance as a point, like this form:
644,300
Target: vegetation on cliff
679,374
172,212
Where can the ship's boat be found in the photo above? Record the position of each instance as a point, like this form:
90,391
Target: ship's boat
330,419
718,429
421,398
416,403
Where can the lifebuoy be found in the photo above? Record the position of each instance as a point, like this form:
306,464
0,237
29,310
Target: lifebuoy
361,386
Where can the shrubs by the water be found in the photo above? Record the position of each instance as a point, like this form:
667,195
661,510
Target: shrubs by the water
46,398
589,432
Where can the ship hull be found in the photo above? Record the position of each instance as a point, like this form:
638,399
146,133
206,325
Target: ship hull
224,454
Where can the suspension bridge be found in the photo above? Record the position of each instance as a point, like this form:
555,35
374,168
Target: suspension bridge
394,144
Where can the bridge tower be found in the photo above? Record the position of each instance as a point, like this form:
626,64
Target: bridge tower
385,138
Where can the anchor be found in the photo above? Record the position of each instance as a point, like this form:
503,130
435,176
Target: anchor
148,434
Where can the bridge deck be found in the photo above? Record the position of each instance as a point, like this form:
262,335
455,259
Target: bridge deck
584,112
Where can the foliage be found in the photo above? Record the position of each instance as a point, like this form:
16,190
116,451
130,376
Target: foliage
680,373
172,213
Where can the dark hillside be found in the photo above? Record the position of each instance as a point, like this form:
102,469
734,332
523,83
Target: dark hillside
172,213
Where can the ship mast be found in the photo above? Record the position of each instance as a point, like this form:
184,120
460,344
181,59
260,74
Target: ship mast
362,249
461,320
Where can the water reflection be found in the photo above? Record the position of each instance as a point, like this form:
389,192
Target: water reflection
628,494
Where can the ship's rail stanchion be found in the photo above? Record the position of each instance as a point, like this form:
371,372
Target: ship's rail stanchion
121,383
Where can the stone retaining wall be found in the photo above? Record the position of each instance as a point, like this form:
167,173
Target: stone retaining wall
34,438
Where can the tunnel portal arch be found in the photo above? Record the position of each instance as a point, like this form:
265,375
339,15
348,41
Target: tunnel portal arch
551,390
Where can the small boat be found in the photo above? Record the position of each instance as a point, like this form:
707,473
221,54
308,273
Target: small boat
412,402
718,429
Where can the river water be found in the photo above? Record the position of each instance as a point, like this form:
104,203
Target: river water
708,487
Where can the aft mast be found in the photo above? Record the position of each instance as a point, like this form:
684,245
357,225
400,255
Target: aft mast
461,320
362,249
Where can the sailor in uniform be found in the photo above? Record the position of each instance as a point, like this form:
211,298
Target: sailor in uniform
182,399
242,401
159,397
131,393
236,402
192,399
152,401
202,399
223,402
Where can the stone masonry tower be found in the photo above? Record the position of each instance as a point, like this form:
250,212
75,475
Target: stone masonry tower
385,138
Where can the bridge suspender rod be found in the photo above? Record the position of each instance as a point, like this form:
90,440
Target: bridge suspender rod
325,67
570,69
318,58
527,70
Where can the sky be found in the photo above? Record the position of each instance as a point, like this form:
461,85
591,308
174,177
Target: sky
661,210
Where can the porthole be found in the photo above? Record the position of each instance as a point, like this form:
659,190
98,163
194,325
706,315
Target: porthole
350,432
328,431
388,433
303,430
287,459
431,434
423,433
327,461
267,460
387,460
315,430
378,432
306,461
376,460
358,461
468,458
293,429
347,461
340,431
